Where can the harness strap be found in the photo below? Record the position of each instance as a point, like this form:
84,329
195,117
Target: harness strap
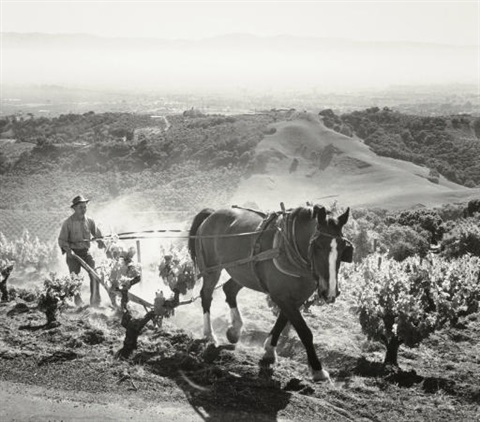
260,213
298,264
262,228
262,256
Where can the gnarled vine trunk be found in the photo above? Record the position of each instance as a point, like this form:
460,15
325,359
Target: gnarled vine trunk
133,327
392,345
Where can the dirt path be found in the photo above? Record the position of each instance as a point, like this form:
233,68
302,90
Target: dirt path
21,402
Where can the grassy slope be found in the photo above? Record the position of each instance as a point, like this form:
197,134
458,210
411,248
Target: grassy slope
355,176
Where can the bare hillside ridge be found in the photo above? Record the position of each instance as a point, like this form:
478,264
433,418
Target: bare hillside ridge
334,166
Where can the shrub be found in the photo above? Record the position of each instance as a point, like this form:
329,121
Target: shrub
363,244
403,303
450,212
28,252
56,291
473,207
424,220
403,242
462,239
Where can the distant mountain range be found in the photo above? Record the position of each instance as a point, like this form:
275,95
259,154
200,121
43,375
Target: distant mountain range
235,60
228,41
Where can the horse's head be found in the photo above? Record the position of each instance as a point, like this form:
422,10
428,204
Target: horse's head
327,249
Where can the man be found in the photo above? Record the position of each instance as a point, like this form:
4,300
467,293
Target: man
75,235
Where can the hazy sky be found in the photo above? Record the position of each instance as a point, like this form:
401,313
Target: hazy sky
266,69
452,22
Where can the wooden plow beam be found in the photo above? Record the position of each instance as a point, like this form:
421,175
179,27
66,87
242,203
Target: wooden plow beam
91,271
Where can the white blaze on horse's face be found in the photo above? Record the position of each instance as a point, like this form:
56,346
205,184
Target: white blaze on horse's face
332,271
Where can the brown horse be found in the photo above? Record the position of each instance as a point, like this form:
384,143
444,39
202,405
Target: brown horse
287,255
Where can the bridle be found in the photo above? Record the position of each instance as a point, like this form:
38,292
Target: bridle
307,264
312,247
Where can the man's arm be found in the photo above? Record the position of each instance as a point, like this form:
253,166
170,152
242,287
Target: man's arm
63,239
96,232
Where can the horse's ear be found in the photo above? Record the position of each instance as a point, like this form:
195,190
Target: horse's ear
320,213
342,220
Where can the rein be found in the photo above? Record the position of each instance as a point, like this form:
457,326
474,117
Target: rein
213,236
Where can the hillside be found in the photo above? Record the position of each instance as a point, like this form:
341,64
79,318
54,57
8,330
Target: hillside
139,168
337,167
449,144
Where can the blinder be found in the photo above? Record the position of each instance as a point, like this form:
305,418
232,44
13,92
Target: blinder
347,254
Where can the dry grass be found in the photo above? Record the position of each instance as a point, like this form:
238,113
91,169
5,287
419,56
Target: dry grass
355,176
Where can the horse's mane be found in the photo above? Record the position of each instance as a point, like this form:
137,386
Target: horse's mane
307,213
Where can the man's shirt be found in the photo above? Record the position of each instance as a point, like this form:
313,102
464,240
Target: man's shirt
74,232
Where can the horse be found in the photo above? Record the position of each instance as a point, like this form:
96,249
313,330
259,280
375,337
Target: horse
287,255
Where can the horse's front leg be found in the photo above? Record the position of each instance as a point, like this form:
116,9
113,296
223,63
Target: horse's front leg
209,283
295,317
270,345
231,289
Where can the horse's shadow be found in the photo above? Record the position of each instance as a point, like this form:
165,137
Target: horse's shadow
217,385
241,399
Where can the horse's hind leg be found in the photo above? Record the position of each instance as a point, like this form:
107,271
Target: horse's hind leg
231,289
270,355
209,283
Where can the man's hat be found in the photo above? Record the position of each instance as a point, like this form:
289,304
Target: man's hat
78,200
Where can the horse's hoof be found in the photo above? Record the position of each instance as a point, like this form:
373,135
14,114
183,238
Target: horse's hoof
267,361
211,353
233,335
265,372
320,375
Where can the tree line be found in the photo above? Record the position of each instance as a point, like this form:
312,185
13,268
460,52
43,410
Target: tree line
448,145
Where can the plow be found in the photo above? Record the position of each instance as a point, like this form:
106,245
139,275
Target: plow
161,306
134,298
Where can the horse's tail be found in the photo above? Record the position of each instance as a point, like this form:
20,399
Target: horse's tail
196,223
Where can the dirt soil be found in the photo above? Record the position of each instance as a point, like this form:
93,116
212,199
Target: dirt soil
70,372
